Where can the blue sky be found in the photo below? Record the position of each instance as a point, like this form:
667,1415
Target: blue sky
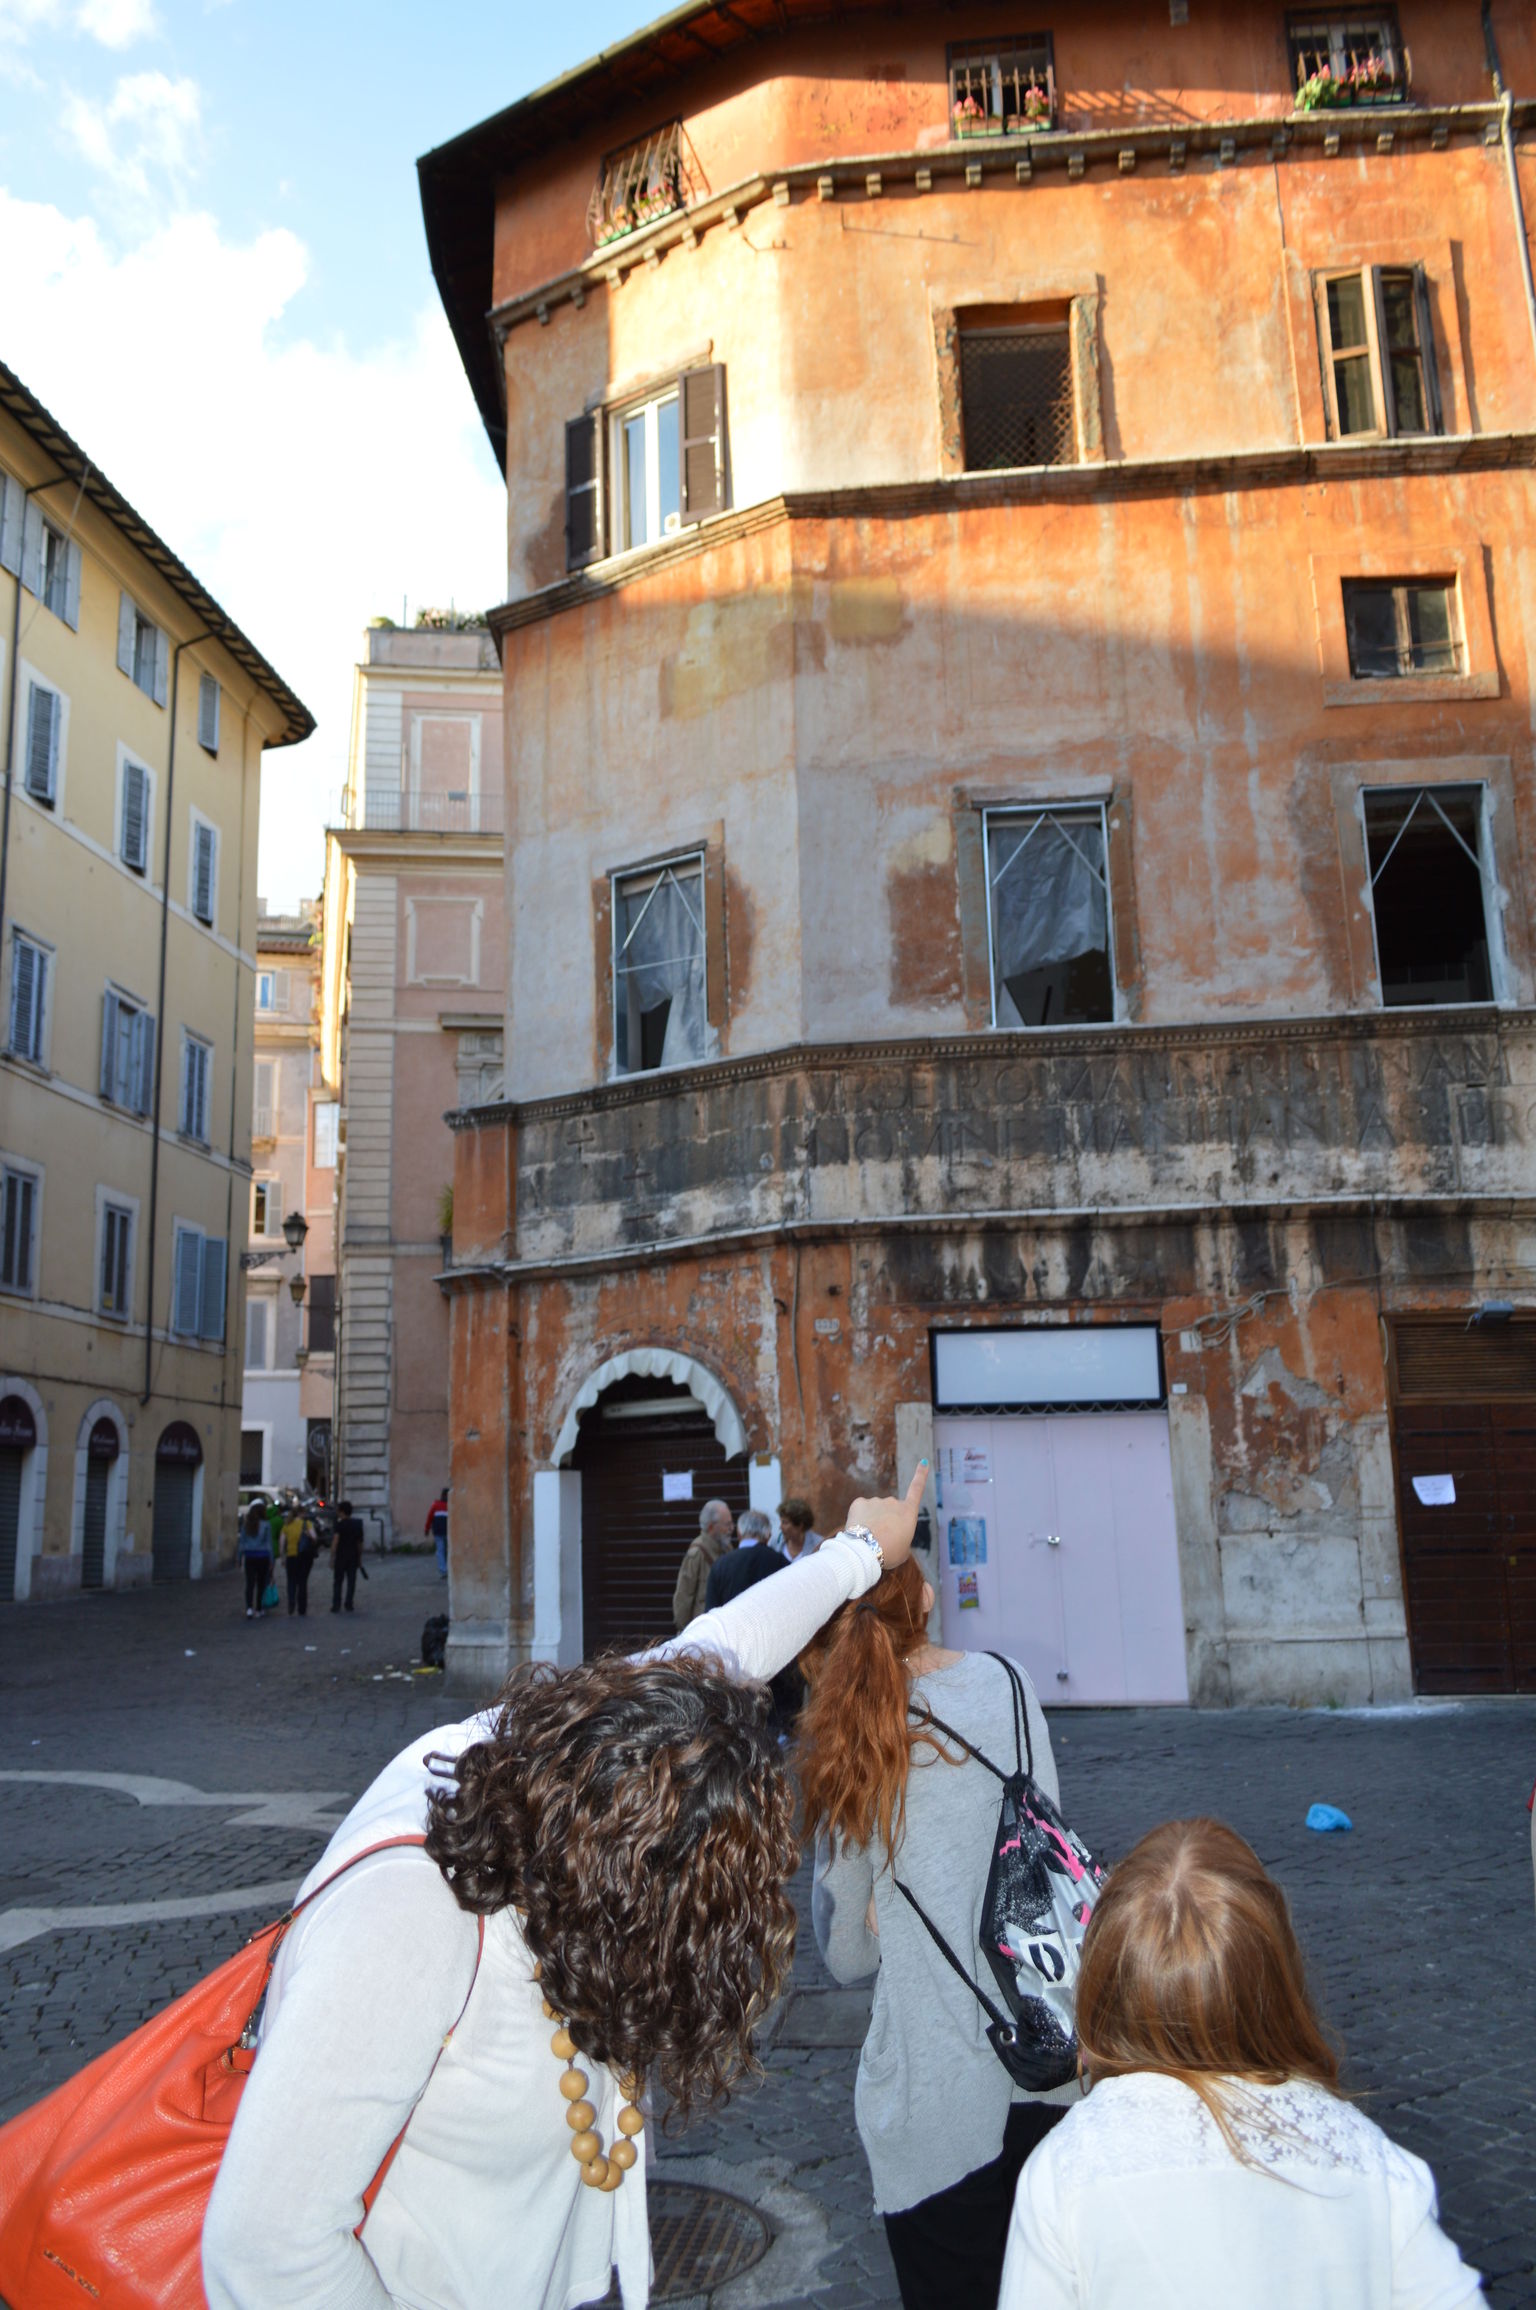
212,269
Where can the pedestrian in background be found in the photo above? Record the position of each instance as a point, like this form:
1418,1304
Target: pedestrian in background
888,1796
298,1546
1213,2161
741,1567
716,1527
346,1556
255,1551
797,1533
437,1530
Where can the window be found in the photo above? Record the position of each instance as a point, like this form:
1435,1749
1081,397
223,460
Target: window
1401,626
660,1018
1379,363
18,1228
29,997
327,1113
143,653
133,816
116,1259
1016,396
272,990
203,871
127,1053
1348,59
196,1071
258,1335
45,730
208,713
1048,917
1002,87
322,1315
1427,847
266,1207
12,500
50,565
197,1285
253,1458
636,474
650,178
263,1106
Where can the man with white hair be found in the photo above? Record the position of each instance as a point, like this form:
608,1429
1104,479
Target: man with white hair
751,1560
716,1525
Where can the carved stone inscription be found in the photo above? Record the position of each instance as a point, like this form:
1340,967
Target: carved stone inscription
1157,1121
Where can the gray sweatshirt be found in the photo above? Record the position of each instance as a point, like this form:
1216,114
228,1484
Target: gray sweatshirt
932,2098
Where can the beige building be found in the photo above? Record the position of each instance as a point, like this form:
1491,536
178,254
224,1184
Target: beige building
290,1293
411,1028
135,714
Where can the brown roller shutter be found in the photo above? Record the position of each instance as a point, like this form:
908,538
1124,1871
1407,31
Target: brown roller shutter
701,416
584,540
1458,1362
633,1541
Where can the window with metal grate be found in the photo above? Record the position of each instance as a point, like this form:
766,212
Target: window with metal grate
1016,397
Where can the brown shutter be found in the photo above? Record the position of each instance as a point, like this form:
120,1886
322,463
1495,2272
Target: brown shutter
701,416
584,539
1432,409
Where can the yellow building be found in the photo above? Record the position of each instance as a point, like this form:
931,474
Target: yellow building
135,714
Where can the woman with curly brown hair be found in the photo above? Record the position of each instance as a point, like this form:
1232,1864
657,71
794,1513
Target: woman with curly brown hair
893,1802
595,1907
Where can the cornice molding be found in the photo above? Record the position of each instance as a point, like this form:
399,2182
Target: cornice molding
403,849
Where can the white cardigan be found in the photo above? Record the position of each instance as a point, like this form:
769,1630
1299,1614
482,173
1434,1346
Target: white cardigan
1135,2202
484,2207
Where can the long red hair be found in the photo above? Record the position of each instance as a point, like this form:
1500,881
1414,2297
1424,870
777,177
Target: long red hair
1191,1968
856,1740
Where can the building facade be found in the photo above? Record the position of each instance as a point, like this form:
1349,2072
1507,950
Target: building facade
290,1340
135,716
411,1026
1018,677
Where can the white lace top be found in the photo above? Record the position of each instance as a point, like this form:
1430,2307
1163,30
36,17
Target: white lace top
1135,2202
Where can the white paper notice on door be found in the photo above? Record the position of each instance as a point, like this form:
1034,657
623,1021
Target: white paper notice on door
1435,1491
677,1483
975,1465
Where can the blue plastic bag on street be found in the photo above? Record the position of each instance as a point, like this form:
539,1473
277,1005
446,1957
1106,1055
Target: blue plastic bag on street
1327,1817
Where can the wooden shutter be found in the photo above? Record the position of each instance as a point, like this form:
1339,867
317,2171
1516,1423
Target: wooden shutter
1432,406
42,742
26,1007
584,520
10,524
210,1321
701,457
72,585
109,1010
135,816
127,633
188,1069
187,1304
208,713
17,1267
162,665
203,855
142,1064
32,547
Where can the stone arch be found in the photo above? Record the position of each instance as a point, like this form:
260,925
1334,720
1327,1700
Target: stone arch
656,1363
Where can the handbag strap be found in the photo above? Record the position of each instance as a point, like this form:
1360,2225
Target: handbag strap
993,2012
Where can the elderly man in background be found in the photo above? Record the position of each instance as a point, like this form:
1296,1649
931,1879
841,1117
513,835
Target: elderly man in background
751,1560
716,1527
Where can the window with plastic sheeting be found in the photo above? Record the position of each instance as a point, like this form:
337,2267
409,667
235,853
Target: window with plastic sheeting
1428,852
659,1005
1397,628
1016,396
1049,917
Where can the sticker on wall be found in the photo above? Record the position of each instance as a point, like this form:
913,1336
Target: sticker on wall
975,1465
1435,1491
677,1484
967,1540
970,1600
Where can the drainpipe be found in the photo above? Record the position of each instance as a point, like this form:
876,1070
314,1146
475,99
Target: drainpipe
165,924
1507,139
27,495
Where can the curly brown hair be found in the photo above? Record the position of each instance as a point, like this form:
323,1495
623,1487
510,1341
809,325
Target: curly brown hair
636,1815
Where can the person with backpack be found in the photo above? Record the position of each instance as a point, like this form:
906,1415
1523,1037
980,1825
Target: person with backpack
346,1557
255,1556
1213,2161
905,1817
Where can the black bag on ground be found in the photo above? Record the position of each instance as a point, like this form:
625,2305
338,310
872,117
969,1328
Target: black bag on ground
434,1641
1041,1891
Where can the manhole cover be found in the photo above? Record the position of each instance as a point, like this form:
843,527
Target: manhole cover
700,2238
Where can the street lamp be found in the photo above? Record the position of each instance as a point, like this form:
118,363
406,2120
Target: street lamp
296,1289
295,1228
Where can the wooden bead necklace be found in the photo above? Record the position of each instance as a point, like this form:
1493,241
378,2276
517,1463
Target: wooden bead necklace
600,2169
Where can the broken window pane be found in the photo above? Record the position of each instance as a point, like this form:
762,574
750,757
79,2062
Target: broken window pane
1399,628
1427,889
1016,398
658,992
1049,899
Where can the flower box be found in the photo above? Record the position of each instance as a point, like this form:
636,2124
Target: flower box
987,124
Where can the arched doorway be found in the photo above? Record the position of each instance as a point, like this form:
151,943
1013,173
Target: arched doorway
102,1448
649,1455
18,1441
178,1497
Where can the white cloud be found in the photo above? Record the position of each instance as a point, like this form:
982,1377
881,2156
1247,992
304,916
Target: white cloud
118,23
147,135
310,486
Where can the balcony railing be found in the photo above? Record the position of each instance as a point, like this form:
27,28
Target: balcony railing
404,810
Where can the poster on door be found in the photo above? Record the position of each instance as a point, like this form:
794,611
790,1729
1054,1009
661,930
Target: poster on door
967,1540
969,1592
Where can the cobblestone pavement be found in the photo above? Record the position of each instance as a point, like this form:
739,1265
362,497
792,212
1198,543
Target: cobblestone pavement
1419,1927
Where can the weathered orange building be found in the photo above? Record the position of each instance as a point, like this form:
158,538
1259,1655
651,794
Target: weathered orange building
1018,666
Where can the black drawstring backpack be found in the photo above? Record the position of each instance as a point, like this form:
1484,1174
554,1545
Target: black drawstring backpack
1041,1891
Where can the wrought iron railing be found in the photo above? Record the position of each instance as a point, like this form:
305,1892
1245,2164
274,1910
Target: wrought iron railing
406,810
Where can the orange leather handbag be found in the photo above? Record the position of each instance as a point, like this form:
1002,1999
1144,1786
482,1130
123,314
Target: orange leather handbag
105,2183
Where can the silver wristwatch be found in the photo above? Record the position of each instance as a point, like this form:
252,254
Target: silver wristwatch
866,1539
